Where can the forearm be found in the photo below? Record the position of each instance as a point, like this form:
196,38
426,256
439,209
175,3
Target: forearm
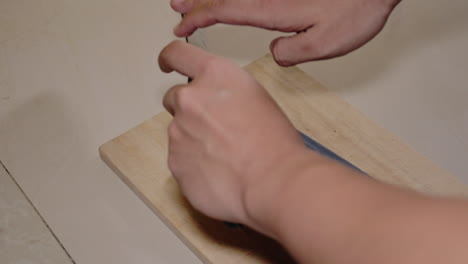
326,213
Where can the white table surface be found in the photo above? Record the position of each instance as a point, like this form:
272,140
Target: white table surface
74,74
24,237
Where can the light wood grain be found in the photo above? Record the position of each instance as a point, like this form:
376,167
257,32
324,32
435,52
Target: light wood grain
139,158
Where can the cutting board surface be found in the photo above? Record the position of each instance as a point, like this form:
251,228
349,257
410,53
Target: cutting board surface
139,158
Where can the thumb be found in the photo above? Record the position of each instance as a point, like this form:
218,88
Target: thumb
305,46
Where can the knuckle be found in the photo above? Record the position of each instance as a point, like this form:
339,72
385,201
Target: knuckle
186,99
215,4
170,49
212,64
179,96
215,66
317,50
312,48
173,45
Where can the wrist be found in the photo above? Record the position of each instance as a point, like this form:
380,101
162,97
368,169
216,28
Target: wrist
314,204
262,197
306,183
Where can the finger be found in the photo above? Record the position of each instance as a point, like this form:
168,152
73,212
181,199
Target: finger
169,100
182,6
202,14
310,45
183,58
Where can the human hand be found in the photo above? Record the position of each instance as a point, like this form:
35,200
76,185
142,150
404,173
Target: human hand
327,28
227,137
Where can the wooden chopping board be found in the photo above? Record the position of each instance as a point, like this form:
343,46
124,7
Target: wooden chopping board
139,158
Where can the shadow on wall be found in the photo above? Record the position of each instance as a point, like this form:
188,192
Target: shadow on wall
413,25
36,135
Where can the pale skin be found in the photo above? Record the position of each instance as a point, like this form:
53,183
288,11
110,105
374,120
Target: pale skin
328,28
238,158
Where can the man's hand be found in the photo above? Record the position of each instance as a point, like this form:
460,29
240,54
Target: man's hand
237,158
227,137
327,28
